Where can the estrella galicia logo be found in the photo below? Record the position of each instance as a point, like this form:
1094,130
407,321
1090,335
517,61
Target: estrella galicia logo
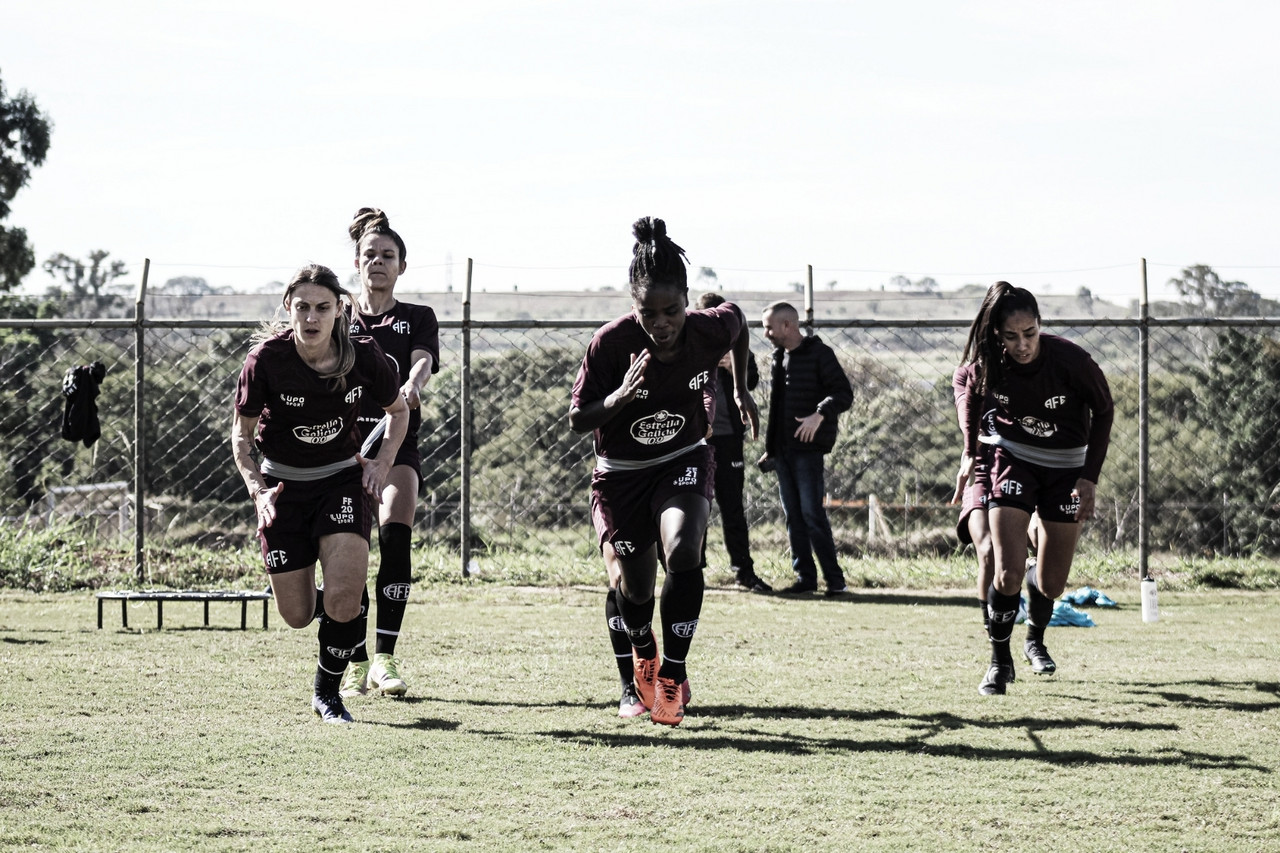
658,428
396,591
319,434
1037,427
685,629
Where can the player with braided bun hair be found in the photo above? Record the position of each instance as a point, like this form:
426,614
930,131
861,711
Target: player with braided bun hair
297,400
1045,418
640,391
409,335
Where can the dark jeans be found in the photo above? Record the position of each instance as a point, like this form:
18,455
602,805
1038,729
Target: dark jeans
800,483
730,479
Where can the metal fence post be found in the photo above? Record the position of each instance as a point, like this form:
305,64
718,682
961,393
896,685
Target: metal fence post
465,428
139,427
1143,401
808,301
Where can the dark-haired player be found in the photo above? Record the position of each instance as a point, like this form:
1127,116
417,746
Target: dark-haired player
409,335
297,400
640,390
1048,432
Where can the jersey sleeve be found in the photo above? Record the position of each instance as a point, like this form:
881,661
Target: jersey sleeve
426,335
251,392
385,384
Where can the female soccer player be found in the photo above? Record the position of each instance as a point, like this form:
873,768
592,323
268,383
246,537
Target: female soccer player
297,400
1048,432
640,390
409,335
973,485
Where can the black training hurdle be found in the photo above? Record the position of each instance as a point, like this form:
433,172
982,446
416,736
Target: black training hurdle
160,596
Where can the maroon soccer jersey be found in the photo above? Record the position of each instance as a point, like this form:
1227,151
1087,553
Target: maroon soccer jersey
668,412
1059,402
399,332
302,421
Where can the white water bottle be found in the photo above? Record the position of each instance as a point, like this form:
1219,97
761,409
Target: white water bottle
1150,607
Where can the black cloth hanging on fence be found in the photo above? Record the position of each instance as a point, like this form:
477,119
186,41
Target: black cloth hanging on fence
80,417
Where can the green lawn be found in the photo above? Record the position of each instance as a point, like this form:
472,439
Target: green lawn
814,725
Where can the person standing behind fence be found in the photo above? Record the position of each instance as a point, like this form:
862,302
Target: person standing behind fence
810,390
727,431
640,390
1048,434
410,336
297,400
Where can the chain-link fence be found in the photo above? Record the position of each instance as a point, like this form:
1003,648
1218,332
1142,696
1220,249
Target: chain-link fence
1213,401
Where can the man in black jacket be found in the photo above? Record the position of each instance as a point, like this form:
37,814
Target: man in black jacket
810,390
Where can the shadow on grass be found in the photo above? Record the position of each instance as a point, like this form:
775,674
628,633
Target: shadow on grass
1170,696
18,641
705,734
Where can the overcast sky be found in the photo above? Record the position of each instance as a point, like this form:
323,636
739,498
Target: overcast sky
1052,144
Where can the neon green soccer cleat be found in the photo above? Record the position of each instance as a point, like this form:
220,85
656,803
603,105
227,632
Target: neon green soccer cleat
355,682
384,675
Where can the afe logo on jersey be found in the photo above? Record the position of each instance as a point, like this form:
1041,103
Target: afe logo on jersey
1011,487
1037,427
400,327
291,400
275,559
353,395
1055,402
396,591
657,428
623,547
321,434
698,381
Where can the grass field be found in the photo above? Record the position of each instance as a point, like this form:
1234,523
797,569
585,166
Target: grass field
814,725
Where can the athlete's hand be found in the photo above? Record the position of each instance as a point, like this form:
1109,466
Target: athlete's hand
411,396
264,504
808,427
1084,492
631,382
749,410
964,478
373,476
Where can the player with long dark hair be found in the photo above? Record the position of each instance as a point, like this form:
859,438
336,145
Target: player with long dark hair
640,390
1048,429
410,337
296,401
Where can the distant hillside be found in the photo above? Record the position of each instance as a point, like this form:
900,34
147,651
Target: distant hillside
602,305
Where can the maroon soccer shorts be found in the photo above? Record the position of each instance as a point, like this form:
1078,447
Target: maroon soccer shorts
625,504
1033,488
308,510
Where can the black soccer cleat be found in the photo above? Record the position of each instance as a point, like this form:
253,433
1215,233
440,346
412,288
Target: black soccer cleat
330,709
998,676
1038,656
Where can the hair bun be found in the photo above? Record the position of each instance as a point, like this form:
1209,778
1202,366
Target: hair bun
366,218
649,229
